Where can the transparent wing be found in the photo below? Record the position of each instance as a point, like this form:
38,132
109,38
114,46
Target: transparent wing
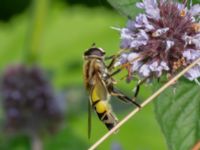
99,91
89,119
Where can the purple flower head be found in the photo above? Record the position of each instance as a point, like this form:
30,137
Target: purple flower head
164,39
28,100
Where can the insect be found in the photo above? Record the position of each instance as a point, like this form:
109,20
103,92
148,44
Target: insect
99,83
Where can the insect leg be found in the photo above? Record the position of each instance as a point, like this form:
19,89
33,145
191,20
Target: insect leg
109,57
111,64
137,88
119,70
113,57
114,73
115,92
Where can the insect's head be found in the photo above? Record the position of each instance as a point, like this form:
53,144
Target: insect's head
94,52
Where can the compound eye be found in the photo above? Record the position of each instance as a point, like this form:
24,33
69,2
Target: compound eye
101,49
95,52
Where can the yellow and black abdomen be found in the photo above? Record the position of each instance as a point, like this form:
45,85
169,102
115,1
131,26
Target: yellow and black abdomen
99,98
105,114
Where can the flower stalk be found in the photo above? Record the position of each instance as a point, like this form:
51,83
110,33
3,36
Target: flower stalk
36,142
37,21
32,47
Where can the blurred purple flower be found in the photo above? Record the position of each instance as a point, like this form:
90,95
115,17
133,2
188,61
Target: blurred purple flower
116,146
28,100
164,39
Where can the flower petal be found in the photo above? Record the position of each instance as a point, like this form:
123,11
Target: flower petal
158,68
195,10
191,54
132,56
122,60
164,65
153,66
141,21
135,66
160,32
132,39
151,8
192,40
193,73
181,6
125,43
144,70
169,45
126,33
131,25
196,40
140,5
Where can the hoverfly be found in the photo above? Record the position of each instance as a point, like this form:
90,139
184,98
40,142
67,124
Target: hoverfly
100,85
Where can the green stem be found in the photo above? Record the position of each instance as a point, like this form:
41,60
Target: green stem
39,10
36,142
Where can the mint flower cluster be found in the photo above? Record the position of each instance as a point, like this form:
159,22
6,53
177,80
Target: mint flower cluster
162,40
28,100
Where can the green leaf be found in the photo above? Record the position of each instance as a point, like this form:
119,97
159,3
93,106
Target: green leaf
178,113
125,7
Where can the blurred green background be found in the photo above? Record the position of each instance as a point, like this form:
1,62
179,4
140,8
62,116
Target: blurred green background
70,28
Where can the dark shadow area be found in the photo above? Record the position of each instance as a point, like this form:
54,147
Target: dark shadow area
10,8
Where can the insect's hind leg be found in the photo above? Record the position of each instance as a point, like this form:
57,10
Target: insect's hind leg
115,92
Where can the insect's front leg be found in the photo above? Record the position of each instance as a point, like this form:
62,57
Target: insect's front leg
115,92
113,73
137,88
110,57
117,71
113,58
